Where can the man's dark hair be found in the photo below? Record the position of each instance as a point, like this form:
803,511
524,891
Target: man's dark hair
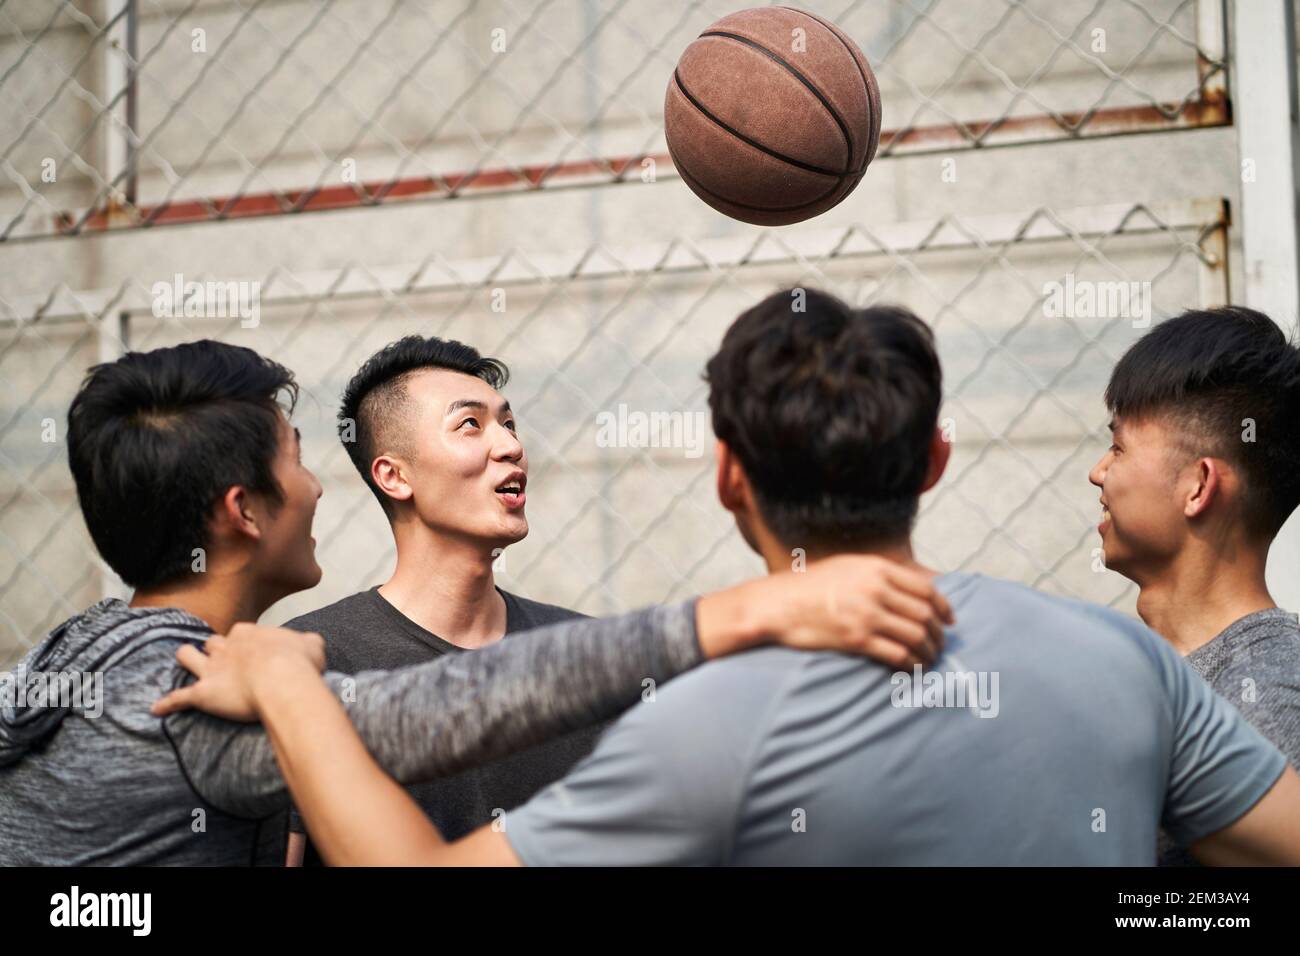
374,416
831,412
1210,373
155,439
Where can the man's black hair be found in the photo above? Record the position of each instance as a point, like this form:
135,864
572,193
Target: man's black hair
155,439
1229,382
831,411
372,419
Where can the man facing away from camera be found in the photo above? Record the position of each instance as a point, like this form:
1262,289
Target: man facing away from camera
1050,731
1202,472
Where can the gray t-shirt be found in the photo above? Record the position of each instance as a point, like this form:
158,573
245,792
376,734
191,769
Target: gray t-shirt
1080,732
1255,664
364,632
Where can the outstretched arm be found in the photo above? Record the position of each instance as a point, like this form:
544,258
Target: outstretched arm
428,721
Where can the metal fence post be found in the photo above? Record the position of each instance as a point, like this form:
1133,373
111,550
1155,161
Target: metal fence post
1265,100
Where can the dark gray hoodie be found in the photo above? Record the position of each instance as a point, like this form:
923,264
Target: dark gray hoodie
91,777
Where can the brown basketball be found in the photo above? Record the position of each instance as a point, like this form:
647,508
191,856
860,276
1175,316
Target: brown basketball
772,115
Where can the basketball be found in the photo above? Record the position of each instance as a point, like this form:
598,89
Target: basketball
772,115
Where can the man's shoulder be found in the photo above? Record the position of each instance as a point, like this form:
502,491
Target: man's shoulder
526,613
1262,671
1002,592
326,619
1002,602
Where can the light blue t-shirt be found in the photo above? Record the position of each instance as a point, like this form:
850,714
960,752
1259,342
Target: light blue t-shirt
1052,732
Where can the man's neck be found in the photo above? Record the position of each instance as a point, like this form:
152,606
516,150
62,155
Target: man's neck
220,601
1195,597
446,586
779,557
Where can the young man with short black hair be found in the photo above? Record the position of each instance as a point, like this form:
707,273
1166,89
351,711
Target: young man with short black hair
424,423
1202,472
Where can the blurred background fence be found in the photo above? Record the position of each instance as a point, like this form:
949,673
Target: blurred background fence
496,172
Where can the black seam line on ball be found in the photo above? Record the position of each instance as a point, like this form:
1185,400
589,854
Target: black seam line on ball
745,139
744,205
844,129
835,32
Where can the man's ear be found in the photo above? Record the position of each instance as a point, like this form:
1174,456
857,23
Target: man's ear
235,513
733,484
1212,479
389,476
940,452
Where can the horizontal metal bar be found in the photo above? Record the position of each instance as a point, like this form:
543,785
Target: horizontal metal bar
768,247
1209,111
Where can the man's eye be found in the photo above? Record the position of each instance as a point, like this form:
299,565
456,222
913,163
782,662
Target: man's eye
469,421
510,425
1114,449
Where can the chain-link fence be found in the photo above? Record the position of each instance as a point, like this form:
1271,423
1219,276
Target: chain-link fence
155,143
161,112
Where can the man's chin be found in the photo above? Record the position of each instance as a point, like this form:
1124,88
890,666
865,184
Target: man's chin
1113,559
308,579
506,533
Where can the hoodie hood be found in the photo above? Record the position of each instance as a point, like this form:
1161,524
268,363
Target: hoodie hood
81,649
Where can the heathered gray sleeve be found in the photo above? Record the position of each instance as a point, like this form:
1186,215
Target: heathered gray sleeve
425,722
1220,766
1266,689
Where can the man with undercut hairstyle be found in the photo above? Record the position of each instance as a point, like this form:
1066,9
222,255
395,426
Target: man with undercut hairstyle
427,428
1202,472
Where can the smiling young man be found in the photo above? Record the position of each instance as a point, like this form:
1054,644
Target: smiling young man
192,486
190,480
1202,472
827,427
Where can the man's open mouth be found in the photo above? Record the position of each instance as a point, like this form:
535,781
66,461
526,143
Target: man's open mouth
511,490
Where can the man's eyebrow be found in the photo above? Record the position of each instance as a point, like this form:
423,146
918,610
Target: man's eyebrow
472,403
464,403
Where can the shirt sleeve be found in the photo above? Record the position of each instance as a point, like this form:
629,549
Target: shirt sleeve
428,721
664,787
1220,766
1267,693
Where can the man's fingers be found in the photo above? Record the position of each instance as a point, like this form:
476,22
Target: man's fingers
922,612
891,653
943,607
181,699
912,636
192,659
920,585
909,606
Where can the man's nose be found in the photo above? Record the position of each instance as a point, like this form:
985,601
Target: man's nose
509,447
1098,474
